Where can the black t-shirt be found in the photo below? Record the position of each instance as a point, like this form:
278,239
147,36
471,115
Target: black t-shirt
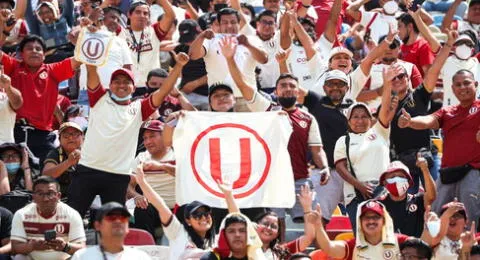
407,215
57,156
213,256
330,118
193,70
5,223
416,103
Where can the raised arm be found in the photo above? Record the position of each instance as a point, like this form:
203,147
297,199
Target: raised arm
197,50
168,17
303,37
354,9
448,18
418,122
226,188
258,54
67,12
331,27
184,103
334,249
14,96
281,58
169,83
285,39
424,31
31,19
20,8
4,183
229,47
378,51
430,189
388,108
305,198
93,79
235,4
163,211
430,80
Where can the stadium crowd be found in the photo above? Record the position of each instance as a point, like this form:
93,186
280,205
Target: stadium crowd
382,97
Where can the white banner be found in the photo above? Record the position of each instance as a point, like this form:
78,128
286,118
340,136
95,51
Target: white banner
246,149
92,48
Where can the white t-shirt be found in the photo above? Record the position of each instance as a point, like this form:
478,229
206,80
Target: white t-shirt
380,26
451,66
117,58
28,224
357,82
447,249
149,53
111,139
376,80
7,120
94,252
217,68
369,155
181,247
162,183
270,71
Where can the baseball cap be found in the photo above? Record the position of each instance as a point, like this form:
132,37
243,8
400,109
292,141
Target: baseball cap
215,87
153,125
192,206
11,146
355,105
67,125
397,166
110,207
338,50
372,206
188,30
463,37
337,74
123,71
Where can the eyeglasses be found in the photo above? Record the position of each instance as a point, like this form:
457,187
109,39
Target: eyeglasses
272,226
115,217
400,76
267,23
408,257
12,156
69,135
199,215
48,195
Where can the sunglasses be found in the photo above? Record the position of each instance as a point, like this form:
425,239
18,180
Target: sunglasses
199,215
115,217
372,217
400,76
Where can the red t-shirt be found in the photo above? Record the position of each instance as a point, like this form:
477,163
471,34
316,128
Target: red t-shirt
418,53
298,143
350,245
460,126
39,89
168,106
322,8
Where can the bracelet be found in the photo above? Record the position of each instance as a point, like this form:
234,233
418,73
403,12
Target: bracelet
306,6
307,212
67,248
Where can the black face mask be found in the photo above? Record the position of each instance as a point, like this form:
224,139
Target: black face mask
218,7
405,40
230,110
287,102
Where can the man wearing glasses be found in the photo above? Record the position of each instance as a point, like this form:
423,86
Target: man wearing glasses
46,228
111,221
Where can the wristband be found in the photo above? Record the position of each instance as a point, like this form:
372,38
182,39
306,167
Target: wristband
67,248
306,6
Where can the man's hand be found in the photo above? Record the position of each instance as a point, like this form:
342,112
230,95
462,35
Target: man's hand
324,176
57,244
228,46
452,37
468,238
392,32
225,186
5,81
405,119
141,202
74,157
182,58
390,72
453,207
421,162
282,55
365,189
243,40
207,34
39,245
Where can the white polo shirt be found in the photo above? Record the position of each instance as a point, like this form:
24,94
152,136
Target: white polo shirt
7,120
369,155
270,71
380,26
451,66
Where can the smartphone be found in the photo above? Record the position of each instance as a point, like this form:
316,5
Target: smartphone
50,235
11,21
415,4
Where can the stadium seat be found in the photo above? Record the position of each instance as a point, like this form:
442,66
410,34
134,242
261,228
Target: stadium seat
338,225
320,255
345,236
138,237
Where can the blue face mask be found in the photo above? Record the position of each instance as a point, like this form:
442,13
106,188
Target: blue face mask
13,167
119,99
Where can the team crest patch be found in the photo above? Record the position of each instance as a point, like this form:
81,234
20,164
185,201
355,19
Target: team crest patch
412,208
473,110
372,137
167,111
388,254
60,228
43,75
371,204
303,124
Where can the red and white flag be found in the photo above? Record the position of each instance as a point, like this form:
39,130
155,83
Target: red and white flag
246,149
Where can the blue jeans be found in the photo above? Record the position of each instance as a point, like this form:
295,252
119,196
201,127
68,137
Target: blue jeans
443,7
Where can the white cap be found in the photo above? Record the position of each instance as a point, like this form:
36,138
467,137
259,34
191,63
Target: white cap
338,50
355,105
462,37
337,74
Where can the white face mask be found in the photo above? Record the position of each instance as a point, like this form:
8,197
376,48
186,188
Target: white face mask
463,52
433,227
390,7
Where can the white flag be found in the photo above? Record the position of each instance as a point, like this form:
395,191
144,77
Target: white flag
246,149
92,48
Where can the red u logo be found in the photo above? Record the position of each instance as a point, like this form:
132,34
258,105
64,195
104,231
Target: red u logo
245,161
